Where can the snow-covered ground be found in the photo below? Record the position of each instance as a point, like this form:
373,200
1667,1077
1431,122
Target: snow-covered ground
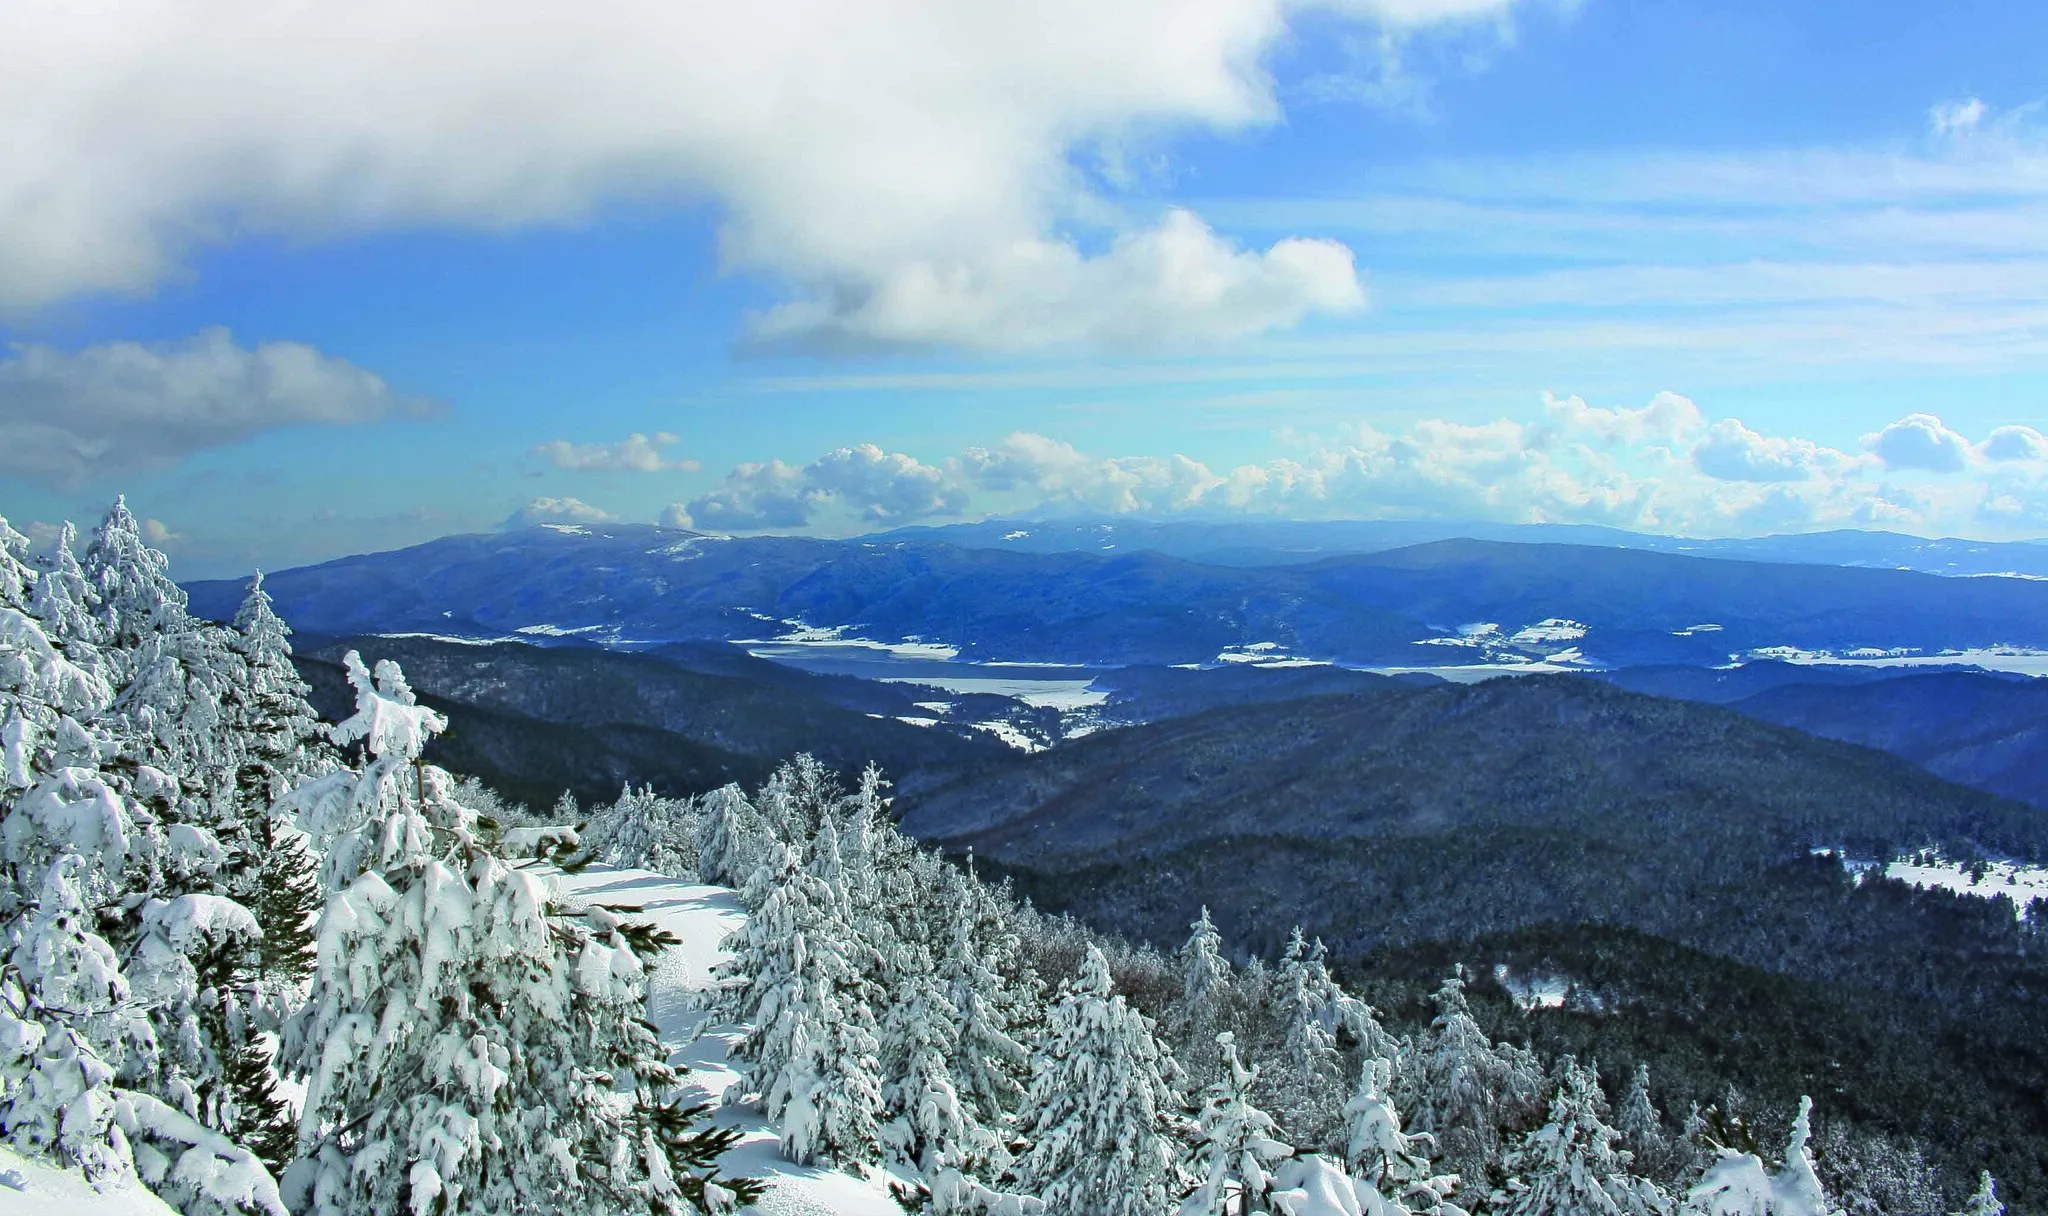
2017,659
36,1188
2023,884
702,916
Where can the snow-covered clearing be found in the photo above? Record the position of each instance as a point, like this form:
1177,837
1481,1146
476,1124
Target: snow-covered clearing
2022,884
702,916
2019,660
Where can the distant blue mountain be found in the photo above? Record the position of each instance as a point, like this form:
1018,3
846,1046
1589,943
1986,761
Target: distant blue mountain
642,585
1278,542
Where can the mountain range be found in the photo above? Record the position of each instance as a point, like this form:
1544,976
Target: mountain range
1446,601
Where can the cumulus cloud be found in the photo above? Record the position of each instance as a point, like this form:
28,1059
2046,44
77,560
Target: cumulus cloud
159,533
1665,466
68,418
1733,452
864,481
2009,443
636,453
1920,441
557,511
909,167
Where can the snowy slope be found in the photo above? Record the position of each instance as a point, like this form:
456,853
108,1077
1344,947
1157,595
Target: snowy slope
48,1190
702,916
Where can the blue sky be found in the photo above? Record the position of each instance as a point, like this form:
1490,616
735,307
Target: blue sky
354,278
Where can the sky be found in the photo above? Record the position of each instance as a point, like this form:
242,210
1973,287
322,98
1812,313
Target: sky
304,279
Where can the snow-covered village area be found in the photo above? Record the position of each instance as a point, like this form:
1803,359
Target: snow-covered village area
260,963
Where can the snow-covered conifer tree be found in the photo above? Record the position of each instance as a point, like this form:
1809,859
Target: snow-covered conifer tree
796,979
281,736
990,1067
1573,1164
467,1046
1392,1162
644,831
1466,1092
1099,1116
931,1126
1738,1185
732,838
1237,1143
63,600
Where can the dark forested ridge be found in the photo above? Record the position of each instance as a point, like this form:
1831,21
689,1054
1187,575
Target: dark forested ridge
1542,821
536,720
1985,731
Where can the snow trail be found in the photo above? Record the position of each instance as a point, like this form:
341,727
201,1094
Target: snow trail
702,916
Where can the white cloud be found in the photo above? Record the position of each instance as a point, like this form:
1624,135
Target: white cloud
557,511
1731,451
71,417
636,453
1920,441
897,163
863,482
159,533
1951,118
2009,443
1662,467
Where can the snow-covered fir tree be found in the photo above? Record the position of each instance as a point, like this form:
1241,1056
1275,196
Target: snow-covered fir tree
991,1069
1381,1155
644,831
1739,1185
1237,1144
1573,1165
1099,1118
796,981
467,1046
931,1125
99,1068
1465,1091
732,838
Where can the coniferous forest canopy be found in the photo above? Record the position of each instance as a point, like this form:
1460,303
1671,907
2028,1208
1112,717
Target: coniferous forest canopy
286,933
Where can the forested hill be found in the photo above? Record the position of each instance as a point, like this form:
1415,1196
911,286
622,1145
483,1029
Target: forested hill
1669,791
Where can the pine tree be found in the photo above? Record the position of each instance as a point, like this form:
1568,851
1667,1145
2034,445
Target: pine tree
1197,1012
930,1126
1238,1143
1099,1114
796,979
281,736
1572,1165
643,831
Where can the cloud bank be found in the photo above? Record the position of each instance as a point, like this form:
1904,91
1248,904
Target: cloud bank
68,418
917,171
1662,467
